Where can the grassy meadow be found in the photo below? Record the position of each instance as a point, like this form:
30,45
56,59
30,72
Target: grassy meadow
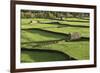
46,39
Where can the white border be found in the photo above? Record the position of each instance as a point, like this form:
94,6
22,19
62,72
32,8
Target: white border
58,63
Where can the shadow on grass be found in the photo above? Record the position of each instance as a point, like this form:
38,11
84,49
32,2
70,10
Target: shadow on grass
81,39
60,25
45,32
83,20
56,41
41,55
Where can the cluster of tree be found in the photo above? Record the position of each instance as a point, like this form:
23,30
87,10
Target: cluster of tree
51,14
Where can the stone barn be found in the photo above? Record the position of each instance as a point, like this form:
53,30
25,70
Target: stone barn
74,36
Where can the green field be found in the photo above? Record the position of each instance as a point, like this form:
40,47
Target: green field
47,34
